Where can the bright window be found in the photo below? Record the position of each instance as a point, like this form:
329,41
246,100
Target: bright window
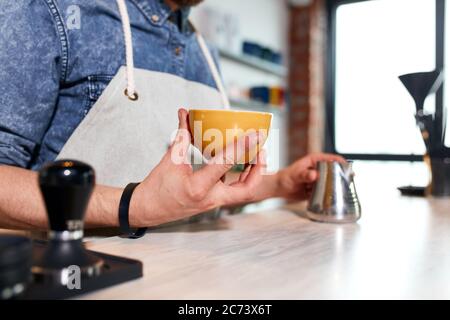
376,41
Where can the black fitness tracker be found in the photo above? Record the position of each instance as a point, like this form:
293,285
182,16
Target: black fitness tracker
124,207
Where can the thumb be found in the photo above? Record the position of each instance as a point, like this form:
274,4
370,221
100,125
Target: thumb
182,141
183,119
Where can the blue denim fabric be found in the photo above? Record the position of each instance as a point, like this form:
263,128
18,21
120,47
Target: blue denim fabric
57,57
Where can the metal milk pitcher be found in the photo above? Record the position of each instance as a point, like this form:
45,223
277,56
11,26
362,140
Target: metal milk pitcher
334,198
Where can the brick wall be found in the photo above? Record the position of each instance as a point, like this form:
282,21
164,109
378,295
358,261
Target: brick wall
306,80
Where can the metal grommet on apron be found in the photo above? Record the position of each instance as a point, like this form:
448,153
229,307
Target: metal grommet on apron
133,97
126,132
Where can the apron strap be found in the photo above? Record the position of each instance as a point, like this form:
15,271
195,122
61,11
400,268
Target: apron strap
213,69
131,87
130,91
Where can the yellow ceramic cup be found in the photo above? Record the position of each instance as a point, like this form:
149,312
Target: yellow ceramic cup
213,130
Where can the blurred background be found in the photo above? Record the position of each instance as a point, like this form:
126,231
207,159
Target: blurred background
328,71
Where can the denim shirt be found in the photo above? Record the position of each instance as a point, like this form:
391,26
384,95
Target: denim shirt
57,57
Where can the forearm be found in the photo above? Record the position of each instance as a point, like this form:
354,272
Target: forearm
22,206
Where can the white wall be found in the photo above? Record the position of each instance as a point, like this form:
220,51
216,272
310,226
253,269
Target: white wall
262,21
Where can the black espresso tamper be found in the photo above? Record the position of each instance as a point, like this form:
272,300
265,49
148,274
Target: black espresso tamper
66,186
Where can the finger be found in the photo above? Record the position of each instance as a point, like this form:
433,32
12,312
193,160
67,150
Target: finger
317,157
259,167
241,192
180,146
311,160
245,173
255,174
244,191
224,161
260,160
308,176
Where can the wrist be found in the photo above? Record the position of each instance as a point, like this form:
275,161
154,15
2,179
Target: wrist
137,209
147,208
124,214
270,187
277,184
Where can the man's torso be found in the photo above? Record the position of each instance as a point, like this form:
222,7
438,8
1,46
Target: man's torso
92,50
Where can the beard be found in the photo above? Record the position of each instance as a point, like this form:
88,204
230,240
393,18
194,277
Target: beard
187,3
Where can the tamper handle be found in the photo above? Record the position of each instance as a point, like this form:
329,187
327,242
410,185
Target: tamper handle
66,186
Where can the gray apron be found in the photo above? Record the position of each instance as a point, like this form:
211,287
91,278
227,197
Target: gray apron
124,138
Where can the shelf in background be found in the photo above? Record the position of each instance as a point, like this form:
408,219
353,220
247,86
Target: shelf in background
254,62
256,106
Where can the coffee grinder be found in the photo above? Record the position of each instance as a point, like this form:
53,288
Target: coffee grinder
433,128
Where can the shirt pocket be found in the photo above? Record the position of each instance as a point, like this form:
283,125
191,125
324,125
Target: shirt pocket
96,85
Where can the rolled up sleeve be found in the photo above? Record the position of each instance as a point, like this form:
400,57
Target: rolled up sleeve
29,78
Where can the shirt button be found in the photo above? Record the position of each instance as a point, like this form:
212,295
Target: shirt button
155,18
177,51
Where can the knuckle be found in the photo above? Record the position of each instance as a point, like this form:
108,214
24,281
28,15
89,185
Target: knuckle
196,193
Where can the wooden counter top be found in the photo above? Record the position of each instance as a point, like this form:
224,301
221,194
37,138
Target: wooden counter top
399,249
